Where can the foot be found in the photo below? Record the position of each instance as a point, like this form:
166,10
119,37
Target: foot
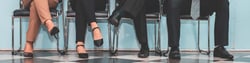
97,35
222,53
28,50
144,53
174,53
82,53
51,27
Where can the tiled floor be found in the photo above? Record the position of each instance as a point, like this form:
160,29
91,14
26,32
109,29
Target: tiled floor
122,57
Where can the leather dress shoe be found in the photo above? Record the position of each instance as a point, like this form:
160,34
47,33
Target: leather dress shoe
144,53
222,53
174,53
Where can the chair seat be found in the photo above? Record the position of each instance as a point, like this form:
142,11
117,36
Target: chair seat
152,15
71,13
26,12
189,17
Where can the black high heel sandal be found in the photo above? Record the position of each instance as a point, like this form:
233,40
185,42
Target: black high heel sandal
98,42
54,31
81,55
28,54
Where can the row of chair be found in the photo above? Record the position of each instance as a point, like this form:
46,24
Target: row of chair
153,13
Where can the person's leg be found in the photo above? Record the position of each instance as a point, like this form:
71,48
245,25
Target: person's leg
140,24
173,24
126,7
42,8
221,29
81,25
131,7
33,29
221,23
89,14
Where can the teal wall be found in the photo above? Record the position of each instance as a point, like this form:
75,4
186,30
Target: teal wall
238,33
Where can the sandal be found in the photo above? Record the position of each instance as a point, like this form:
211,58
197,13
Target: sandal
81,55
28,54
98,42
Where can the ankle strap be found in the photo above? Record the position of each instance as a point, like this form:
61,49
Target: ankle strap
30,42
95,28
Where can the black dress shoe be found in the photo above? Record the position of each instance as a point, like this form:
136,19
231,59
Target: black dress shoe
115,18
174,53
222,53
144,53
26,54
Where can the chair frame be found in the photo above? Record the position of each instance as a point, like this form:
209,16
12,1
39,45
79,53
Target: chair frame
113,42
15,52
188,17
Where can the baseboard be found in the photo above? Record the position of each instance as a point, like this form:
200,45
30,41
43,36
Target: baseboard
135,50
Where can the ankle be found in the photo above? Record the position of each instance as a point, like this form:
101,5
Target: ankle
80,43
49,24
28,47
93,25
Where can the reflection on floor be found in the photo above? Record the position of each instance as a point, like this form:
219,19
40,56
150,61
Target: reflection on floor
122,57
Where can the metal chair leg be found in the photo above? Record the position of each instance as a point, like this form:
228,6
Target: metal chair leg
114,42
67,36
202,51
208,36
57,39
13,51
157,41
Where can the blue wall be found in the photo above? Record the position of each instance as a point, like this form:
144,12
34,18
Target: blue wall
238,33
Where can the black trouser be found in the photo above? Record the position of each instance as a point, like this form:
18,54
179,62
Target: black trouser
175,8
85,14
135,10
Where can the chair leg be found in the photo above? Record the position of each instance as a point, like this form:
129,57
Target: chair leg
114,42
157,38
117,37
198,40
66,34
13,51
57,39
202,51
67,37
111,41
20,48
109,36
208,36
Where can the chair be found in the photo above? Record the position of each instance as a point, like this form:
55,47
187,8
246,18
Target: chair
24,13
187,16
102,12
153,13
